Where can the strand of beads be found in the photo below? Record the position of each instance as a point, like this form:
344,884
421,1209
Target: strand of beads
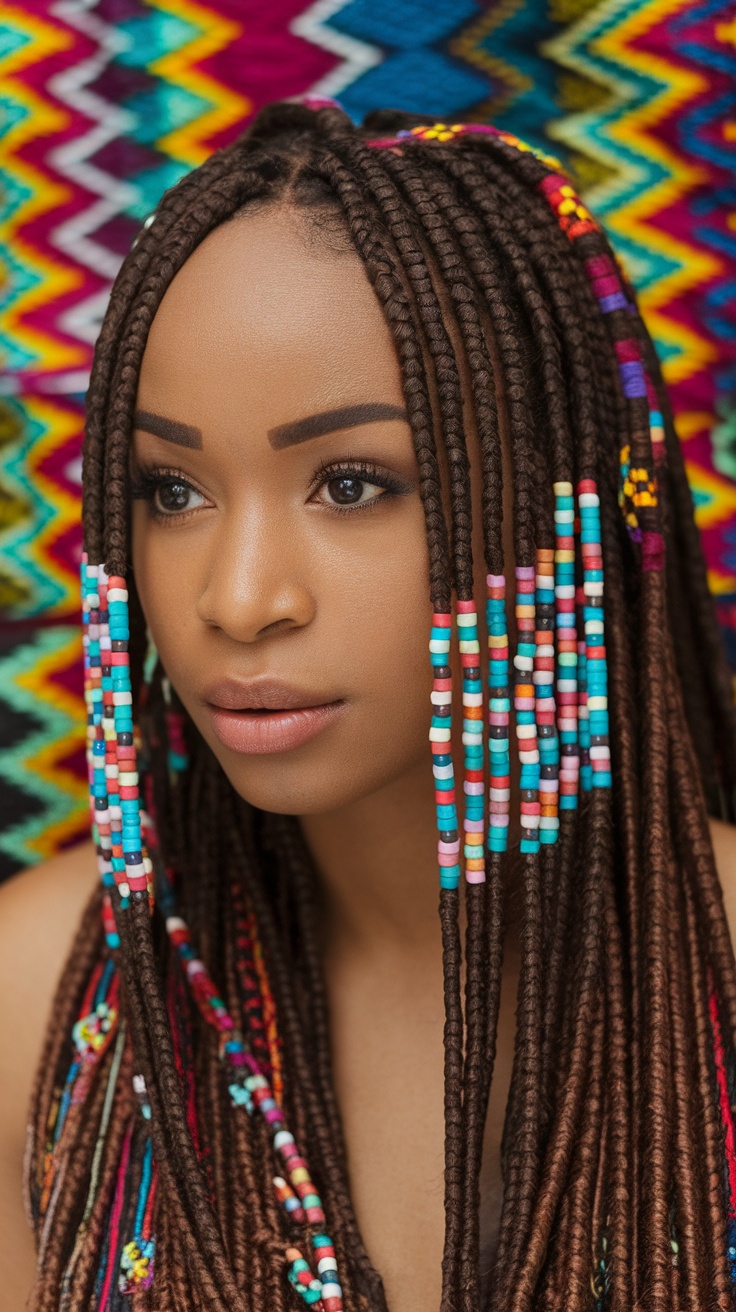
526,729
249,1088
567,645
595,650
544,695
586,773
440,734
101,756
114,792
499,708
473,782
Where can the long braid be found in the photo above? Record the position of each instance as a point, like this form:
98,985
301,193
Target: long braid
627,967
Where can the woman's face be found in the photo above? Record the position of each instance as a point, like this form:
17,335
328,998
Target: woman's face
279,548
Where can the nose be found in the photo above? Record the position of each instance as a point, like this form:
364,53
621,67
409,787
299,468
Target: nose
255,581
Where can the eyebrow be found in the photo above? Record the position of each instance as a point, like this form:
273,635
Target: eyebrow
170,429
328,421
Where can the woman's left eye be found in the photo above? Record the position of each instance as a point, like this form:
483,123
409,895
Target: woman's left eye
356,487
349,490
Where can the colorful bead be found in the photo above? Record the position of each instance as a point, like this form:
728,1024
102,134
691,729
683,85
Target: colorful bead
111,750
567,646
499,707
440,737
472,737
545,707
524,706
596,672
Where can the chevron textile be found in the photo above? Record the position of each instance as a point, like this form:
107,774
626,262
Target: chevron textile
103,105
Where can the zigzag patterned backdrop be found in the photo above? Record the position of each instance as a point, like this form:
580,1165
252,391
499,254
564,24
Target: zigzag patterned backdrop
104,103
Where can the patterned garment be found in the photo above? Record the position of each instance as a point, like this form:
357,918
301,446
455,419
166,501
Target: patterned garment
104,104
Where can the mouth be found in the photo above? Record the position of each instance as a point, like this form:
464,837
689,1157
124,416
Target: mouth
261,718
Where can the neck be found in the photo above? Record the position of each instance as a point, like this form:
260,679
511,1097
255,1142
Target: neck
377,860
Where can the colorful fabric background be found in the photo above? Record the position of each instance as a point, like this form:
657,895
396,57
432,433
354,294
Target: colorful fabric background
104,103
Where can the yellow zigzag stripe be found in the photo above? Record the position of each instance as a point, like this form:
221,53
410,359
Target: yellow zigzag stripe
721,493
46,764
188,143
40,119
468,45
633,130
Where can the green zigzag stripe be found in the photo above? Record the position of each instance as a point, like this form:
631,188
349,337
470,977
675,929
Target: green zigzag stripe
18,535
58,803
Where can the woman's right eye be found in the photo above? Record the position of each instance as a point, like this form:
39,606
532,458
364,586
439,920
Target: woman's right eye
168,495
173,495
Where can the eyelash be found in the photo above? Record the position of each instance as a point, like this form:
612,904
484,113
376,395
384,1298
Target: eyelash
147,482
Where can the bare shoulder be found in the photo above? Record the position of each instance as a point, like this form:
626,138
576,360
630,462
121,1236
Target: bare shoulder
40,910
724,850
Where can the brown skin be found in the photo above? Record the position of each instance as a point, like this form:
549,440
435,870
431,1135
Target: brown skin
264,575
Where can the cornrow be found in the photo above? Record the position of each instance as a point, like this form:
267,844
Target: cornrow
185,1148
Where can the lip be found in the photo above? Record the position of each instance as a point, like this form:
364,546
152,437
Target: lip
262,715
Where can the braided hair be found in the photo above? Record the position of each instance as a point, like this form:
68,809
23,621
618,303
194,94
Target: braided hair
182,1067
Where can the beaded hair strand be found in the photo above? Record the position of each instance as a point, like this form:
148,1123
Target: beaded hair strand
184,1118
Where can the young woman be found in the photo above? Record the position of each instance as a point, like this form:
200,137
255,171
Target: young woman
355,387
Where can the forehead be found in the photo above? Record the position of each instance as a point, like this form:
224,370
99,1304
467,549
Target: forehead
262,315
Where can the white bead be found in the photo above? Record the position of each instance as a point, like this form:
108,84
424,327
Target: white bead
439,735
472,699
598,703
529,758
499,794
466,621
443,771
173,923
117,594
589,499
526,731
438,645
600,753
565,591
594,589
524,663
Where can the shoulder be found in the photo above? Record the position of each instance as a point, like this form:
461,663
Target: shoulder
724,850
40,910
